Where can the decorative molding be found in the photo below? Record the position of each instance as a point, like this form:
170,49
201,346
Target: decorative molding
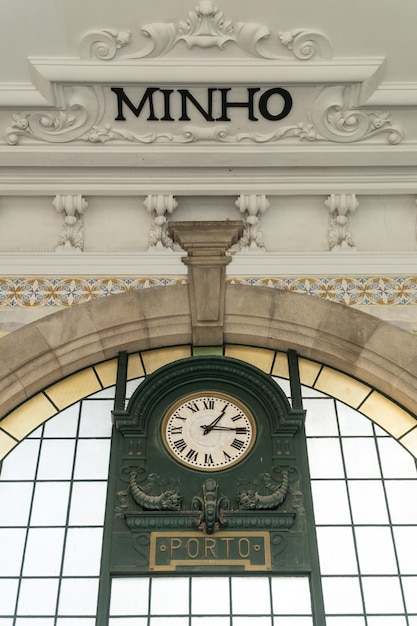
251,499
210,508
339,235
158,206
330,117
103,44
350,290
161,269
82,108
71,238
168,500
252,206
206,27
306,44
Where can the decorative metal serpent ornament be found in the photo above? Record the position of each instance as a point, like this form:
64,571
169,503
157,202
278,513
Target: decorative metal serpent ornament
253,500
166,501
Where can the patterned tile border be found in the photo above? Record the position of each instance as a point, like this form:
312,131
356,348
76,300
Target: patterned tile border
46,292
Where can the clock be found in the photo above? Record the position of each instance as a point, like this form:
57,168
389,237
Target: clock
208,431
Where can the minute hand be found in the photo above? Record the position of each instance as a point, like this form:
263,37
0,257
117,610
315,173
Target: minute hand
210,427
222,428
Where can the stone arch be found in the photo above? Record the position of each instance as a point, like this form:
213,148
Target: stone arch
362,346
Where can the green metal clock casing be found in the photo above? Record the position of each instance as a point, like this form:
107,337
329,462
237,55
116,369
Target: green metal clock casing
208,431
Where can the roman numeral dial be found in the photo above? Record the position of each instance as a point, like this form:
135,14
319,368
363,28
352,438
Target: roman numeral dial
208,431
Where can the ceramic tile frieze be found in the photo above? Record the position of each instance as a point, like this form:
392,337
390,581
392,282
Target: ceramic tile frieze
44,292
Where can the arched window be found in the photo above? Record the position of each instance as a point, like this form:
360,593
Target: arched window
52,500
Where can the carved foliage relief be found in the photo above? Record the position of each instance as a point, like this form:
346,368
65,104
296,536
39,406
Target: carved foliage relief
87,114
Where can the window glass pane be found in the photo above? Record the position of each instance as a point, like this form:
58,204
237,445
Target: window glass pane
50,504
396,462
11,550
334,492
92,459
96,418
35,621
382,595
169,596
325,458
56,459
291,595
210,621
169,621
43,554
78,596
8,595
21,463
406,546
38,596
342,596
392,620
345,621
293,621
64,424
129,596
75,621
244,590
248,621
210,595
18,495
410,593
132,385
336,550
375,550
83,552
88,501
402,501
321,418
128,621
352,423
368,502
360,458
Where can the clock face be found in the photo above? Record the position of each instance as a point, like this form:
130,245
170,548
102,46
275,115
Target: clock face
208,431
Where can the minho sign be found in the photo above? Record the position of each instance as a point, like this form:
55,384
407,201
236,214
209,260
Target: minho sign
217,104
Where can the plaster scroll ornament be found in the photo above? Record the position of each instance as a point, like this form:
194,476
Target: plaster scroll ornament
341,205
252,206
335,119
71,238
81,108
103,44
159,206
206,27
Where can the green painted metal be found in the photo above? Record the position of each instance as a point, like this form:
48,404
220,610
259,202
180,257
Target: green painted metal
157,505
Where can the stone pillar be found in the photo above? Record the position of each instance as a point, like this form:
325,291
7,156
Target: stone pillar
206,244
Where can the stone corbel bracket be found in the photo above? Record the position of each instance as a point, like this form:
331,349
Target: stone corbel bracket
72,207
206,244
340,206
160,206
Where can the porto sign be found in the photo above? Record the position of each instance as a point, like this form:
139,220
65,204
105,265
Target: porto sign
216,105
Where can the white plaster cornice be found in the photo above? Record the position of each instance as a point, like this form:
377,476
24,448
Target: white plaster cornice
210,180
170,265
